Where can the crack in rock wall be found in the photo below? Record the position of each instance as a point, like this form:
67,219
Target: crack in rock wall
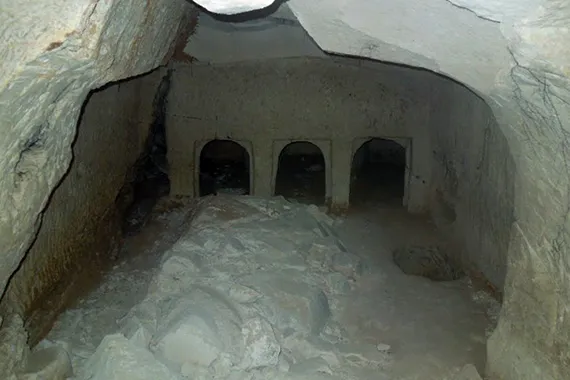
81,224
47,73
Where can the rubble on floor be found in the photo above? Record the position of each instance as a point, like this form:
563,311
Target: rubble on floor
251,291
247,297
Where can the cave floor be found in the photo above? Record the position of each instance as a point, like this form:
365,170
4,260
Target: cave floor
334,304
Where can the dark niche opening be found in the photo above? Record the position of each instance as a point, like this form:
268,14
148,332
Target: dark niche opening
301,174
149,180
224,168
378,173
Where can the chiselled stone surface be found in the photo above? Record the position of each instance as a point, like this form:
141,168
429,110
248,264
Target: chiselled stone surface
46,74
54,53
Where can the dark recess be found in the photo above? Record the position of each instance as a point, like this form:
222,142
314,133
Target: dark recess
378,173
224,168
301,177
148,180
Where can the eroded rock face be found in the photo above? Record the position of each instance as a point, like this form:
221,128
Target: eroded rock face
46,75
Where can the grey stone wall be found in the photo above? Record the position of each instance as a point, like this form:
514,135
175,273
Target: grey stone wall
459,162
473,178
81,224
47,73
269,104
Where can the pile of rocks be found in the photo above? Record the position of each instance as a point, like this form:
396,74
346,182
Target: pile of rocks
251,291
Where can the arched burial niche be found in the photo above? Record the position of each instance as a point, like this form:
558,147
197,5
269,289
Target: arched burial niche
224,168
379,172
301,173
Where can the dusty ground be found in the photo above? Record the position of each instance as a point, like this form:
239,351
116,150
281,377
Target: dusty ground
430,325
376,322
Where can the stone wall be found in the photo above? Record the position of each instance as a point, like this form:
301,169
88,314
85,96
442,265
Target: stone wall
473,178
80,226
46,74
268,104
532,339
460,167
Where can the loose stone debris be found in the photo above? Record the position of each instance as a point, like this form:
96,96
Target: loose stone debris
254,289
427,261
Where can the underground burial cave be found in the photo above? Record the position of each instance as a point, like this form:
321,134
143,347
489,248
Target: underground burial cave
301,173
162,94
518,68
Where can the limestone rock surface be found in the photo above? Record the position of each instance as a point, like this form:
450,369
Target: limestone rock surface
50,363
118,358
46,74
14,350
261,346
215,311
